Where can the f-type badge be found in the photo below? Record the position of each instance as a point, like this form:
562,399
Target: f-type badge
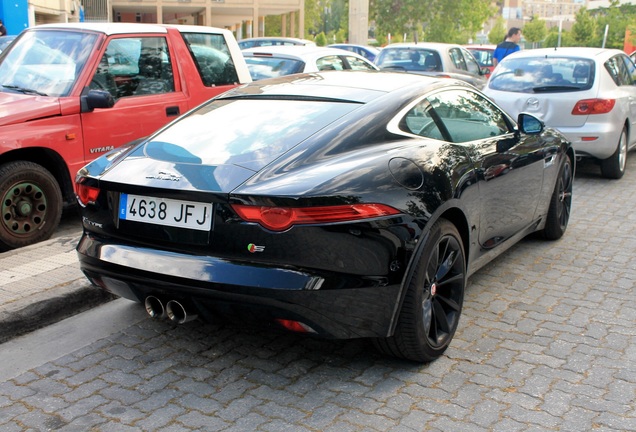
253,248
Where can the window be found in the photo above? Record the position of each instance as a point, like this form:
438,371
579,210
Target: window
330,63
456,116
357,64
619,71
135,66
471,63
212,57
457,58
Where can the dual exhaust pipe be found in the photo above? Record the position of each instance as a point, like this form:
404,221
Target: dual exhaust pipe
175,311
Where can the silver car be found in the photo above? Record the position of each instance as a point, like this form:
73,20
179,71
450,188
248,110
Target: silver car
432,58
276,61
589,94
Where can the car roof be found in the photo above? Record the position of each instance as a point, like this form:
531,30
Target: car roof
429,45
278,38
300,52
360,86
584,52
481,47
124,28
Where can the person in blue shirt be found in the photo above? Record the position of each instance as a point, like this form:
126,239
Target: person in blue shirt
508,46
3,29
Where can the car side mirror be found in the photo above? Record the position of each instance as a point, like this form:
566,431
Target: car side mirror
529,124
96,99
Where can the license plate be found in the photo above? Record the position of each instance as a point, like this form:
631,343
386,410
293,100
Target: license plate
167,212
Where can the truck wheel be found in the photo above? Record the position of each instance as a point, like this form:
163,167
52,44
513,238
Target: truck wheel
433,302
31,204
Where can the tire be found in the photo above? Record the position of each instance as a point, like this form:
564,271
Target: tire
31,204
560,203
433,301
614,166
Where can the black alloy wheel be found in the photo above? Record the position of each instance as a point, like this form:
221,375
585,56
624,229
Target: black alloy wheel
560,203
433,302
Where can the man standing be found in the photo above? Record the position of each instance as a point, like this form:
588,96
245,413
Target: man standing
508,46
3,29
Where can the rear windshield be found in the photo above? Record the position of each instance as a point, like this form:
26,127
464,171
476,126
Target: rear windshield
249,133
543,75
409,59
272,67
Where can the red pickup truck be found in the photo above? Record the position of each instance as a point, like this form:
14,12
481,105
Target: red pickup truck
72,92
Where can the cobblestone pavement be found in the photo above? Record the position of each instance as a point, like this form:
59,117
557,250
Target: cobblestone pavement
546,342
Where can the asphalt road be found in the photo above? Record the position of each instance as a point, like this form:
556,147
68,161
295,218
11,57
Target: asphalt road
546,342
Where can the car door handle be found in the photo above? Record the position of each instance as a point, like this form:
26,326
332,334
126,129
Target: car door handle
172,111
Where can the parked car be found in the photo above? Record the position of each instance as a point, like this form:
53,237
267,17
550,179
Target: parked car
429,58
72,92
483,55
5,41
365,51
589,94
273,41
270,62
336,204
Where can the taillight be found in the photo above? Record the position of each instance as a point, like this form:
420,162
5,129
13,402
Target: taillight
593,106
87,194
282,218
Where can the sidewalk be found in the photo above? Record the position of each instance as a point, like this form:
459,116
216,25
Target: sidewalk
42,284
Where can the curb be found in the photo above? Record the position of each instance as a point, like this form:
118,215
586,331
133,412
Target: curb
49,307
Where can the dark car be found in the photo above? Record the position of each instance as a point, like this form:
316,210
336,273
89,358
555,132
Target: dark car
432,58
368,52
337,204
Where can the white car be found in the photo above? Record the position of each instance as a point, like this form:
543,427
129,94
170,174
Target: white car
276,61
273,41
432,58
589,94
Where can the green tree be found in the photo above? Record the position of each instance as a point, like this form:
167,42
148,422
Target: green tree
497,34
552,39
535,31
431,20
615,18
584,29
321,39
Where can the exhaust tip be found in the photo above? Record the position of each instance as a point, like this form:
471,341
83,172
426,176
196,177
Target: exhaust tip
154,307
177,313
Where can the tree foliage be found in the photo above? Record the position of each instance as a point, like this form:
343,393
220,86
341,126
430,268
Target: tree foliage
584,29
497,34
431,20
535,31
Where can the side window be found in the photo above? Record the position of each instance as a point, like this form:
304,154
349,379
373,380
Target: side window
471,63
330,63
212,57
135,66
457,58
357,64
630,69
457,116
616,70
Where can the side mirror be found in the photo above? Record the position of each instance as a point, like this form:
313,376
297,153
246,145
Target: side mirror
96,99
529,124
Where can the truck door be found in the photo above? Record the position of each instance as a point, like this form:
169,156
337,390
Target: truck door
138,71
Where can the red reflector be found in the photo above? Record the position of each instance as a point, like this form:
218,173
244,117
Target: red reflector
295,326
282,218
589,138
593,106
86,194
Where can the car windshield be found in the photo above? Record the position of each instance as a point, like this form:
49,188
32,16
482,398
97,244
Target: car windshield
271,67
45,62
543,75
409,59
245,132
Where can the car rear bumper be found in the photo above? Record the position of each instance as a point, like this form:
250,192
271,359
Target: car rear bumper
332,305
598,140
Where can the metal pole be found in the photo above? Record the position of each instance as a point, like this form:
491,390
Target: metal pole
605,35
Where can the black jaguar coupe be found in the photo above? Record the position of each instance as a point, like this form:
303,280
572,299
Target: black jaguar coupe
336,204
